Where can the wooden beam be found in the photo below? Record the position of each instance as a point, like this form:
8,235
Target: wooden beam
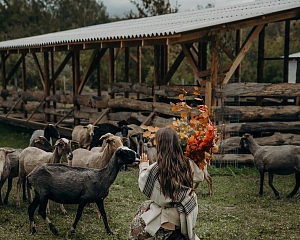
39,69
286,51
60,68
14,69
104,112
92,66
246,46
173,68
87,70
191,61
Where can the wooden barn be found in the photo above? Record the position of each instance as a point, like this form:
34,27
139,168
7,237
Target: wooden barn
265,108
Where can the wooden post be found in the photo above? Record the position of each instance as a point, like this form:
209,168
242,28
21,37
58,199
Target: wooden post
238,45
99,83
286,51
24,80
139,67
156,70
3,70
111,68
76,79
214,68
208,96
127,67
53,85
47,84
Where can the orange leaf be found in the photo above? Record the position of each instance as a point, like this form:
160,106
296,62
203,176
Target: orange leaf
146,134
196,88
181,134
175,109
152,135
196,93
156,129
181,97
151,128
172,104
183,114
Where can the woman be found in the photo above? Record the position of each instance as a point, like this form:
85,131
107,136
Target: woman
171,212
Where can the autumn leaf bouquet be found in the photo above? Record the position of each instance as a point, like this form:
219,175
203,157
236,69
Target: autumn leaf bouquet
197,133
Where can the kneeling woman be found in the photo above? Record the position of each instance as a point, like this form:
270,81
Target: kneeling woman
171,212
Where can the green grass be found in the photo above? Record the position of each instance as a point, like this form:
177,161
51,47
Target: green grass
233,212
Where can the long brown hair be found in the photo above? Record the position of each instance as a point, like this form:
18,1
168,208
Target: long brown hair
174,169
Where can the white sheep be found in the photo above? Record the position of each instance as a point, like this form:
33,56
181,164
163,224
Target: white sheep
30,157
90,159
83,135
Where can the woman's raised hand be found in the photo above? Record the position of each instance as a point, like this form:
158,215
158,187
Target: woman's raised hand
144,158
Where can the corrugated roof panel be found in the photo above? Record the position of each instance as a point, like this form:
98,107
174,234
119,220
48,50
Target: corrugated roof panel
164,25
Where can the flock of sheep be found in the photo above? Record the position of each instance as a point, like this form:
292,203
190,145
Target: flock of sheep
92,167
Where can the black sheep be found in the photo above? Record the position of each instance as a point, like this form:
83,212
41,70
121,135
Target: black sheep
75,185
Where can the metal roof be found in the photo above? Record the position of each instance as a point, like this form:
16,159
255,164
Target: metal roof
150,27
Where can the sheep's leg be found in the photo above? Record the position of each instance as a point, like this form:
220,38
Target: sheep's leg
20,181
42,212
77,217
209,181
33,205
28,192
297,176
271,176
261,188
9,187
100,205
62,208
24,189
1,184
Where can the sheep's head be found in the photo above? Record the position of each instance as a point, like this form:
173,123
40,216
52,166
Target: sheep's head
63,147
90,130
244,141
126,155
42,143
112,143
51,131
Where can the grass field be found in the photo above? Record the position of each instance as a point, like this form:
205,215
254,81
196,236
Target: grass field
233,212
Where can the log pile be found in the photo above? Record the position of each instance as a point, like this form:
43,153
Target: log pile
261,109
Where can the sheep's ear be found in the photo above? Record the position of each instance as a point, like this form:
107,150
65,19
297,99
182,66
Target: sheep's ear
96,126
9,150
107,135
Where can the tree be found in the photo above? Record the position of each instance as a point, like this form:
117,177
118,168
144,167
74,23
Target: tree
152,8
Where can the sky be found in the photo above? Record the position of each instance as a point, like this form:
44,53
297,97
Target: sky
119,7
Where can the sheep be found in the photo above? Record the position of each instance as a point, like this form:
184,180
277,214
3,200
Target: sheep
90,159
104,128
5,171
41,142
30,157
50,131
283,160
10,168
75,185
83,135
